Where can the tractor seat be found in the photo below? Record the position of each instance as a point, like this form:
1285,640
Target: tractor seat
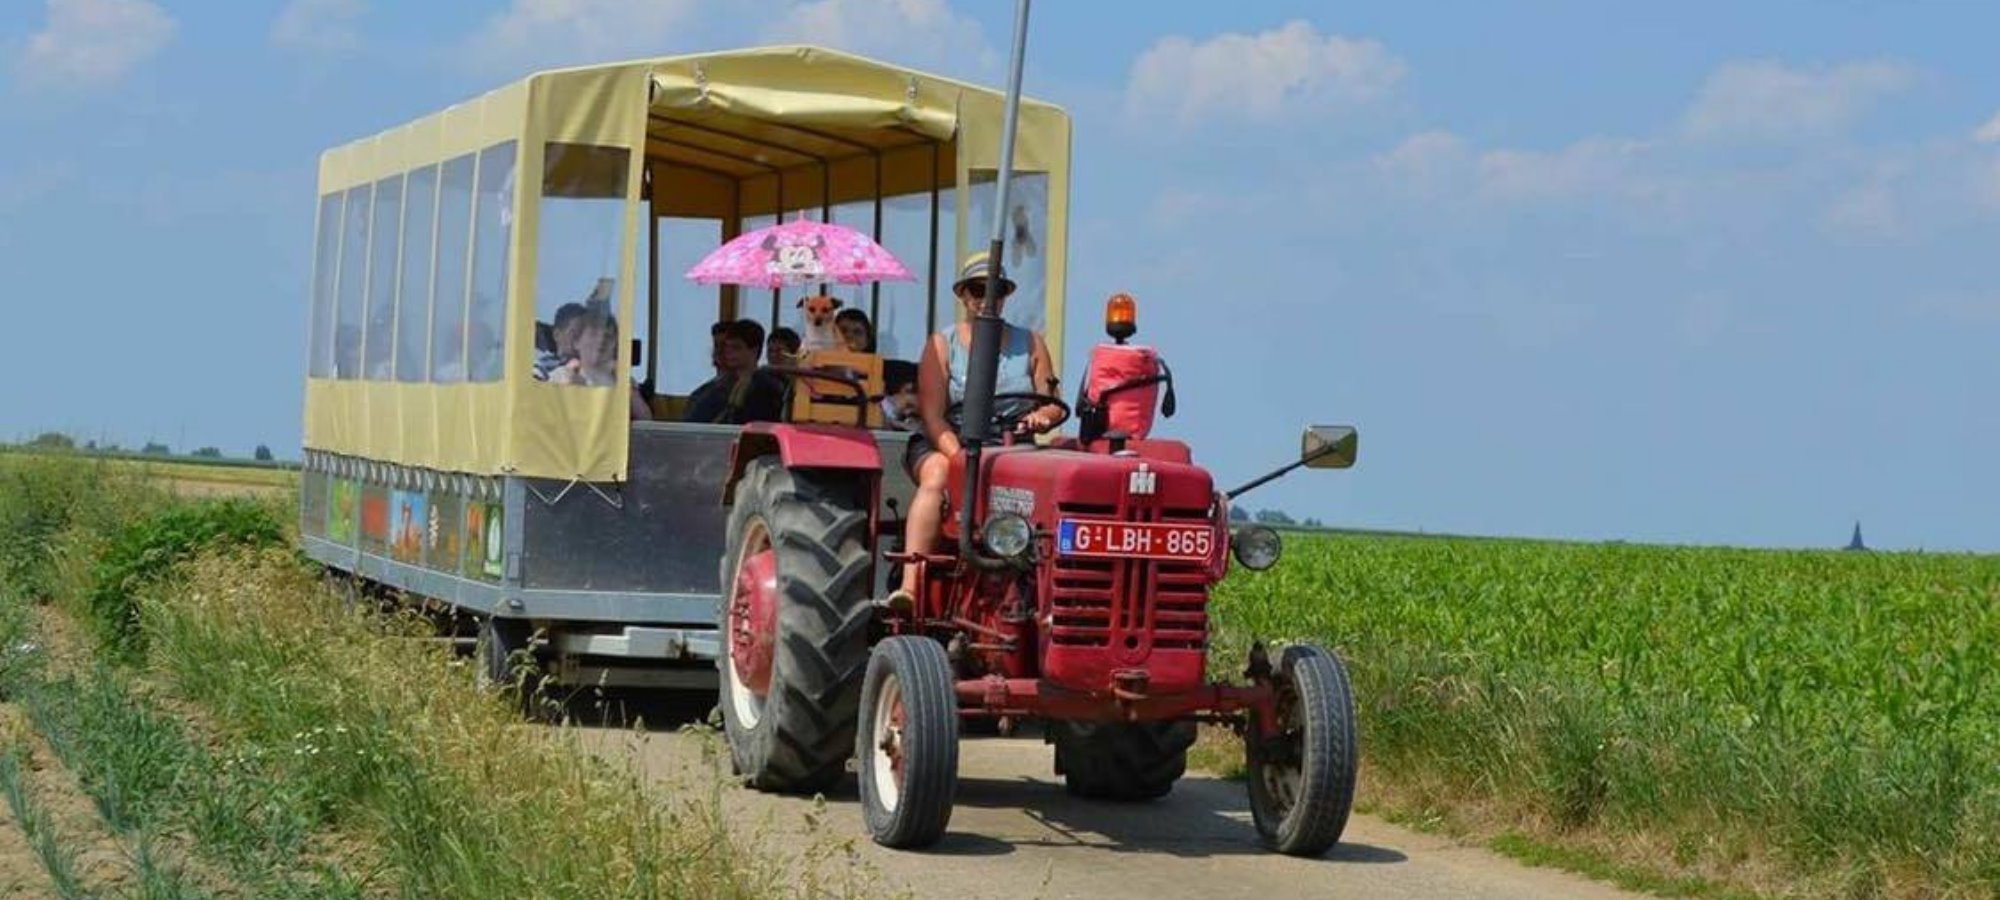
831,402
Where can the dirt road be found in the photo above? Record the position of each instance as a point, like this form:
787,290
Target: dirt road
1016,834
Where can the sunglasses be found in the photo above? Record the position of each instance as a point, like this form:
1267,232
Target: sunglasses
978,289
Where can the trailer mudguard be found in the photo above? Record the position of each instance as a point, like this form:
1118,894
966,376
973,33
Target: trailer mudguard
802,447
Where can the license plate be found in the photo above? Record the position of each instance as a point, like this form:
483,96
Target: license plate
1135,540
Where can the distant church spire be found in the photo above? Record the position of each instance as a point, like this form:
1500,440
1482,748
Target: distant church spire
1855,543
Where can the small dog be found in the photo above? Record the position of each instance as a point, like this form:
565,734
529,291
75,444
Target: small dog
820,333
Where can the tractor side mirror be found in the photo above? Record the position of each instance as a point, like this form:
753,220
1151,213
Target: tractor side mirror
1329,446
1324,447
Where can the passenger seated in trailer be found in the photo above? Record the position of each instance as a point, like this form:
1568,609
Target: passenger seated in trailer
1025,367
594,360
855,331
783,347
715,333
740,392
594,351
561,348
899,400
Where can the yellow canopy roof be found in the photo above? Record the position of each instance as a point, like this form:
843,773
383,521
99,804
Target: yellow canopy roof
743,112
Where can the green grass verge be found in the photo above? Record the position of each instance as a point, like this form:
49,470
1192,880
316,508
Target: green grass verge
459,798
334,756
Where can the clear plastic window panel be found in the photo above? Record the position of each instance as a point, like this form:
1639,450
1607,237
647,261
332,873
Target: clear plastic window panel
454,232
1026,233
579,250
413,309
379,340
353,288
493,228
326,274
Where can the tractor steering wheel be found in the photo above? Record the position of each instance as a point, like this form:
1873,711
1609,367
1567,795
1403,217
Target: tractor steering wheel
1010,422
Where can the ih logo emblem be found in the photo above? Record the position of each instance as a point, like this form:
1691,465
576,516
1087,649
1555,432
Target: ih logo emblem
1143,482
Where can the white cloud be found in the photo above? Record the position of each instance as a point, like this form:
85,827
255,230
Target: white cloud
95,43
925,33
1592,167
329,26
1267,76
1425,155
1770,101
1989,133
570,32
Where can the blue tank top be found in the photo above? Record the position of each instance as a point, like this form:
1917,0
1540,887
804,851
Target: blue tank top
1017,363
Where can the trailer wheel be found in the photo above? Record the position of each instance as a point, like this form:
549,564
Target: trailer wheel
795,586
908,742
1302,780
1121,760
504,660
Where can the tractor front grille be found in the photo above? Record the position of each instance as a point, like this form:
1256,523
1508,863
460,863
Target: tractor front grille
1132,605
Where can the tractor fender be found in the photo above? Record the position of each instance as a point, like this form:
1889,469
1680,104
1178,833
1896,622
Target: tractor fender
802,447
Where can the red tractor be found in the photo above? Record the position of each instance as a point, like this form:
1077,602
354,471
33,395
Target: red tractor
1076,595
1074,592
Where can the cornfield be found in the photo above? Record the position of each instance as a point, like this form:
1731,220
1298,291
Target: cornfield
1843,709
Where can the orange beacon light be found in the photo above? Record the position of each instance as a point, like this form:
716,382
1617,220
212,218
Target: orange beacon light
1121,317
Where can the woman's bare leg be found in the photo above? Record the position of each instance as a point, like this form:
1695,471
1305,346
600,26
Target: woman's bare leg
920,531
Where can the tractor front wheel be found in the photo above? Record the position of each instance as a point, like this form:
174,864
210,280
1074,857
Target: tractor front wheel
795,625
1121,760
1302,777
908,742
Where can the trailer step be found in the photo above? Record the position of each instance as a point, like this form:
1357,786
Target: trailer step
643,642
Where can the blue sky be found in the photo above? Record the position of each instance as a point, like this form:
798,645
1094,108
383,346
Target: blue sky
1701,272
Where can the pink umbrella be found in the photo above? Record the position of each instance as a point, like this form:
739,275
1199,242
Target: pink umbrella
799,252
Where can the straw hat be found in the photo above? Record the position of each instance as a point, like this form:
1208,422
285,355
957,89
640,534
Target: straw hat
976,268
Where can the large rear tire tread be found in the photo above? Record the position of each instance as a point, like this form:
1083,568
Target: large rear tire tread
819,530
1328,755
1122,761
929,783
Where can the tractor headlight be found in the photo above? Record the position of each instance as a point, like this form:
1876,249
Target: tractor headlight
1256,547
1008,536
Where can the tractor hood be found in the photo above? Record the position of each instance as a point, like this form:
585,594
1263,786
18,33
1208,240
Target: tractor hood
1045,484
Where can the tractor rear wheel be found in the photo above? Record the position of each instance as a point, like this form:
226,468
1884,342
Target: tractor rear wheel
1121,760
908,742
1302,779
795,626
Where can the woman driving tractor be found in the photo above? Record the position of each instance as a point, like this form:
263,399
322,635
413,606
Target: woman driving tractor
1025,368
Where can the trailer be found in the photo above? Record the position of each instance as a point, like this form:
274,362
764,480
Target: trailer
582,534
